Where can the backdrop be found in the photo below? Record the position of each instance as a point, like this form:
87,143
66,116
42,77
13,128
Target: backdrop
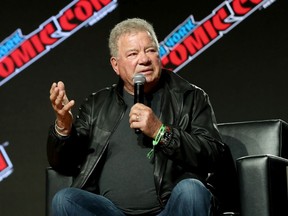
235,50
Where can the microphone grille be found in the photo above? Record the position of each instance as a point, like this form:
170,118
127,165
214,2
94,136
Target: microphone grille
139,78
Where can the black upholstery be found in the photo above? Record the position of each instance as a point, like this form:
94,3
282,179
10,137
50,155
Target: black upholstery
54,182
256,137
263,185
259,149
260,152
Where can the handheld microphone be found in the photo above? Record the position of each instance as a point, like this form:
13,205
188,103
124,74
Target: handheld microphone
139,80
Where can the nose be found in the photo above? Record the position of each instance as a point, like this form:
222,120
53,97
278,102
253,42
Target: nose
144,58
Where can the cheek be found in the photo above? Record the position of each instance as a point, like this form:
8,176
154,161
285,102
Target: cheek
126,73
130,67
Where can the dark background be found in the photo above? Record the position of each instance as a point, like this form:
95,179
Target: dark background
244,73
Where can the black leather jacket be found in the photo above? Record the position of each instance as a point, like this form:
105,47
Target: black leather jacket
194,151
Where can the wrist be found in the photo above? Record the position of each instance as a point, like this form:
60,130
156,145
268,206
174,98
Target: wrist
159,135
62,131
166,137
156,140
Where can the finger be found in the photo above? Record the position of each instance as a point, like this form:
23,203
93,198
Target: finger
67,107
59,98
53,97
136,110
53,86
53,92
133,118
57,87
65,111
61,85
135,124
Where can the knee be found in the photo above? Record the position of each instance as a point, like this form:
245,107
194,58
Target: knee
60,196
193,190
188,185
193,198
61,199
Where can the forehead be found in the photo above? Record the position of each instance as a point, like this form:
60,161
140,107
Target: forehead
136,38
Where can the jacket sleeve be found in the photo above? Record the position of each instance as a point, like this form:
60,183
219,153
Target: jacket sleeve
196,144
66,154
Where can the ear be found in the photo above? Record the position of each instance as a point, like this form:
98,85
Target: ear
114,65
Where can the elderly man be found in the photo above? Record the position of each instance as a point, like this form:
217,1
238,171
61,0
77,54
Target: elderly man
162,170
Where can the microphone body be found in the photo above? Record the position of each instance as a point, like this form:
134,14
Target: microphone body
139,80
138,93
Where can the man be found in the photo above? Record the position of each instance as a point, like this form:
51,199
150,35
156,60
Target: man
161,171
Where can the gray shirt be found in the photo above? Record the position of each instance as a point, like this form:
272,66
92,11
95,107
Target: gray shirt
127,177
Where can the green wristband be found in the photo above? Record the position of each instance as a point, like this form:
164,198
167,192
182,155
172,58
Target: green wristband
155,142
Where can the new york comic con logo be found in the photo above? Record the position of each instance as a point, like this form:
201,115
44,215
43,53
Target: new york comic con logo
191,38
181,46
18,51
6,167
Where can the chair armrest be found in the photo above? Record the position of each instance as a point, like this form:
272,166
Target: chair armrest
263,185
54,182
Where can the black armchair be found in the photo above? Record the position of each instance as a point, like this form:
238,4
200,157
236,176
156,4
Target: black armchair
260,152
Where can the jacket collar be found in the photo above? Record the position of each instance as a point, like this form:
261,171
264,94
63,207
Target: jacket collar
171,80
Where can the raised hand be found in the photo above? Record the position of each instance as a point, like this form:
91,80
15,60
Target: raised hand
62,107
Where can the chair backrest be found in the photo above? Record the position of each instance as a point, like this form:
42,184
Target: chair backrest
256,137
263,137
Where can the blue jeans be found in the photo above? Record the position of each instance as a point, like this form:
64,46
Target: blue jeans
189,198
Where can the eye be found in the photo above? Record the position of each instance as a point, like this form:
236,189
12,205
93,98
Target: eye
131,54
151,50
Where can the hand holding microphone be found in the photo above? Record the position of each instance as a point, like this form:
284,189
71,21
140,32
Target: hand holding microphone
140,113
